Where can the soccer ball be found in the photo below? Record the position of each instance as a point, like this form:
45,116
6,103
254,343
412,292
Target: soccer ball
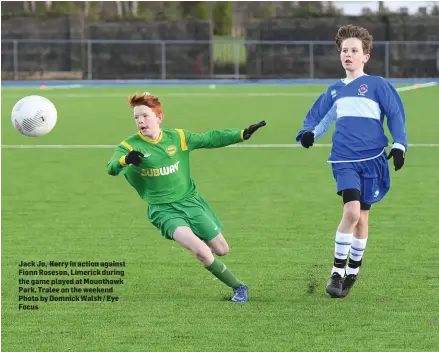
34,116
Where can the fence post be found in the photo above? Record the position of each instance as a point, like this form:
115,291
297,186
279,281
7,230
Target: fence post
236,48
311,60
15,55
89,61
387,60
163,46
437,59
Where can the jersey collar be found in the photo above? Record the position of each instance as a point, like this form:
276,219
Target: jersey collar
346,82
149,140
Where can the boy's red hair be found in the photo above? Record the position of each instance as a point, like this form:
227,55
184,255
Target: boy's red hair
146,99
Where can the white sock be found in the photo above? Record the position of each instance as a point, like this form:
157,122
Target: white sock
343,243
357,250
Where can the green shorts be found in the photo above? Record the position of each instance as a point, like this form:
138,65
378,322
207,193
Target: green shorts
193,212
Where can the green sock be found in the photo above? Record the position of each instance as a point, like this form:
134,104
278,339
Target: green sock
220,270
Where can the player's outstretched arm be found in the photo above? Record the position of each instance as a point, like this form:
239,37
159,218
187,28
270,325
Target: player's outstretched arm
396,121
218,138
317,121
121,158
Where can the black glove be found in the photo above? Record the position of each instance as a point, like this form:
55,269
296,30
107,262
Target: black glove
252,129
398,158
307,139
133,157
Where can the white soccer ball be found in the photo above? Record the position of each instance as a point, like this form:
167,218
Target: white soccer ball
34,116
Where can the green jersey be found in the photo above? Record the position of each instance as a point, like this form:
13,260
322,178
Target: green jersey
163,176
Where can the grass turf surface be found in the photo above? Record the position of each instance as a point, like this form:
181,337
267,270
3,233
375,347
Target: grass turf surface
280,213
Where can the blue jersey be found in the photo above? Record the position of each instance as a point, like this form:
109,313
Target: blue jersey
358,109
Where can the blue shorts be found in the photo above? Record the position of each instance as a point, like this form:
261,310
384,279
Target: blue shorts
370,177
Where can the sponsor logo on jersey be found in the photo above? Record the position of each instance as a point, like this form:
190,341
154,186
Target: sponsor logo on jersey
171,150
162,171
362,90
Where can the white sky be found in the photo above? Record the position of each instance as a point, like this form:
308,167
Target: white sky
355,7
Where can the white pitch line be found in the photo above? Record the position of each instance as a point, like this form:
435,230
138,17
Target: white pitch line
63,94
108,146
68,86
416,86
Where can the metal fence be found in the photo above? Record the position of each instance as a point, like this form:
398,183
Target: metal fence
146,59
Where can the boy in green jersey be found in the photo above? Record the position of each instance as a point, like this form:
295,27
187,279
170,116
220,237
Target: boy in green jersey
155,161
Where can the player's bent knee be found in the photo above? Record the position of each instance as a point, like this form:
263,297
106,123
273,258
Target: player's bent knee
203,252
203,256
351,212
222,250
185,237
219,245
364,218
352,215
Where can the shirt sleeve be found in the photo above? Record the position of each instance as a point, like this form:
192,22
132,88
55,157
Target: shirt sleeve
316,114
325,124
117,162
393,108
210,139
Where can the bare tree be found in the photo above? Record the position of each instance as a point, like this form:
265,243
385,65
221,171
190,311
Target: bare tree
134,8
86,8
126,7
30,6
119,9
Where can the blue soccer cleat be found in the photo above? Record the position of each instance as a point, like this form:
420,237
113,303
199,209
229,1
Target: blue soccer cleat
240,294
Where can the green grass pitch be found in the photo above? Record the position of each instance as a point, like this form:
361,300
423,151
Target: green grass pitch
280,213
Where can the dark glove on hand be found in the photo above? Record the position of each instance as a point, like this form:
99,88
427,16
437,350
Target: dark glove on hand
398,158
307,139
252,129
133,157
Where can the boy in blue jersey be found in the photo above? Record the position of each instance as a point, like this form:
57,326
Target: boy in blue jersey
357,105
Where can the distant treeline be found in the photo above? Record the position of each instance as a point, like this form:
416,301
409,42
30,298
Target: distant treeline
224,15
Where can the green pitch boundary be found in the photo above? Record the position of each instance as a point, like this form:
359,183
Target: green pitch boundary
63,93
108,146
195,82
